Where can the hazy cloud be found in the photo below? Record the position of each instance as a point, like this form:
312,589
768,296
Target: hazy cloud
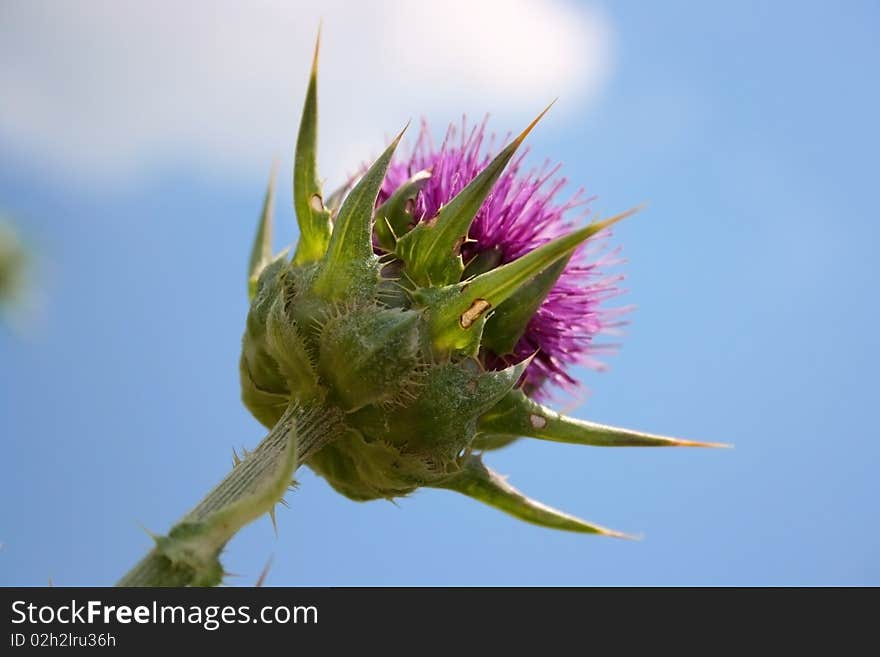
107,89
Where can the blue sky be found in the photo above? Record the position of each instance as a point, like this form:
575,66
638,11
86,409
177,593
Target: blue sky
748,127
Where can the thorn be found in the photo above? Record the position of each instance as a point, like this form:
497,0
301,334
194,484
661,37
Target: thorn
680,442
274,524
400,134
236,460
317,49
531,125
154,537
262,578
390,229
528,359
605,223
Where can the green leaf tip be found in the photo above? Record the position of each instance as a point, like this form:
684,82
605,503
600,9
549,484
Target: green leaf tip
525,133
349,259
261,252
394,216
479,482
509,321
317,51
458,319
432,249
518,415
312,217
264,573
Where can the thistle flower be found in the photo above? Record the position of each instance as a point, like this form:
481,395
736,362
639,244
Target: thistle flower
520,214
418,317
424,304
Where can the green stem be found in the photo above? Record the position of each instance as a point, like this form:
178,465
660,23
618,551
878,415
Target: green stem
188,555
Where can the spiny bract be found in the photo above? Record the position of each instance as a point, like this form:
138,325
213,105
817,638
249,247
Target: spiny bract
378,314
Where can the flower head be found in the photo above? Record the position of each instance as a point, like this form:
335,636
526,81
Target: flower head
522,212
427,305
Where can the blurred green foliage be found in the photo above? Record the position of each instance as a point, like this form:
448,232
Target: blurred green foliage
13,261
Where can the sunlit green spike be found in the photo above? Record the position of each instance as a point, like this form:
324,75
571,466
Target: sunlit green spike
350,259
261,252
431,250
393,217
477,481
507,324
457,320
518,415
313,218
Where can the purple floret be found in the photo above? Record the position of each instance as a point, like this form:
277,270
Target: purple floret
520,215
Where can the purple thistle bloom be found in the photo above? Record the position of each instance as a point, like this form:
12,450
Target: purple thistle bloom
520,214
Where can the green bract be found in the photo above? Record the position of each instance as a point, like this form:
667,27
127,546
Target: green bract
392,341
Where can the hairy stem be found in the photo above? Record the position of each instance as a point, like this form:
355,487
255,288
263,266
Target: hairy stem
251,489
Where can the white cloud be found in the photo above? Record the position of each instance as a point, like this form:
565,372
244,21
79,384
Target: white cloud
109,89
